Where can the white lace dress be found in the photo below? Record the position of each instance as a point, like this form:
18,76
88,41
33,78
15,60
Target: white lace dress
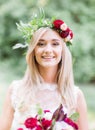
21,114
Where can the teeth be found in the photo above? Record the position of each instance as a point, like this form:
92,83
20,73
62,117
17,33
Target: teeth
47,57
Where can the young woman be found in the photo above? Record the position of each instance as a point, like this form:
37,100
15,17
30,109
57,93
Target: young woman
48,82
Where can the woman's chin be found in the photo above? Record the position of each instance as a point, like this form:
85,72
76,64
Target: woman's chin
48,64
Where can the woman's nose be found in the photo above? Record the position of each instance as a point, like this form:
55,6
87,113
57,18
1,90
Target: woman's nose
48,48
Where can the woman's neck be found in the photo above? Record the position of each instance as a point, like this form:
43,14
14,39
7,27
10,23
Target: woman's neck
49,74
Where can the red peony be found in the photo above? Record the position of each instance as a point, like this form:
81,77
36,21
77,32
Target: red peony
57,23
65,33
46,123
30,122
20,129
70,122
38,127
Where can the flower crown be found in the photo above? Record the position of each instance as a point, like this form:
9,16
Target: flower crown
29,28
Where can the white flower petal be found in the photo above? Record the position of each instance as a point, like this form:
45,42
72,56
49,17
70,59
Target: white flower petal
63,27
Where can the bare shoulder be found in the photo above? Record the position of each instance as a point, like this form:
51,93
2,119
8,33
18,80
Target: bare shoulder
81,101
82,110
80,94
13,85
8,109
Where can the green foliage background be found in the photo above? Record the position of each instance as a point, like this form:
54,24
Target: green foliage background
78,14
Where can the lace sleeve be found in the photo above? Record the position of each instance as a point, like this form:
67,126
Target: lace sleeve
14,96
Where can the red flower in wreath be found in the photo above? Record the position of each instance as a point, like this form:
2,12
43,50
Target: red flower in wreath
71,34
64,34
57,23
63,30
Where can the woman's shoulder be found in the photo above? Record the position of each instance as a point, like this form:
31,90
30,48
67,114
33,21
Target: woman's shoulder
78,91
80,97
14,89
14,84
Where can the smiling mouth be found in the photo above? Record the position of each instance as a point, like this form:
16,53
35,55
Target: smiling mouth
48,57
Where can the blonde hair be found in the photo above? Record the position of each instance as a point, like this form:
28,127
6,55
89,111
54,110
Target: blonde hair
65,79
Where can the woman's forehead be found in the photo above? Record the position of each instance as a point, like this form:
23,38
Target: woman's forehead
50,35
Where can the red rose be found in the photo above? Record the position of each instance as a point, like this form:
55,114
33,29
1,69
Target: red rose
65,33
57,23
46,123
30,122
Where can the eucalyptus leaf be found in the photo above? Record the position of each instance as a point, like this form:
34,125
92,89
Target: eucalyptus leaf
20,45
40,111
74,116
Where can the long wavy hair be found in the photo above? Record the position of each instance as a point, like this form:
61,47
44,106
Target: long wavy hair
65,79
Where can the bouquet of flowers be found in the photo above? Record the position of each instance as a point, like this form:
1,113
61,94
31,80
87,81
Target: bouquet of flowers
41,122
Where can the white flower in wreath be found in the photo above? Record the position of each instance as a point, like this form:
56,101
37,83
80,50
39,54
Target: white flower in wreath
63,27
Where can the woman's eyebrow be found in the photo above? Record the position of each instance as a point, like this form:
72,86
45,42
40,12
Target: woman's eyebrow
41,40
51,39
55,40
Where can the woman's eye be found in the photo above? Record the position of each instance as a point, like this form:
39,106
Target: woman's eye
41,44
55,44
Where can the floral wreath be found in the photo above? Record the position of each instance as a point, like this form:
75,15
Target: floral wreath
37,22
